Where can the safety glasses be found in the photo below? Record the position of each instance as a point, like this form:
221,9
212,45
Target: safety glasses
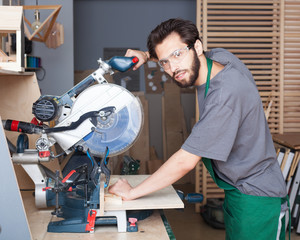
176,57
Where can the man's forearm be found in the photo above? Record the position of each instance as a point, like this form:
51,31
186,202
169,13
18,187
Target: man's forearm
178,165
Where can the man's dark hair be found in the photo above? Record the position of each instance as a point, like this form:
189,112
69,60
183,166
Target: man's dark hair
186,29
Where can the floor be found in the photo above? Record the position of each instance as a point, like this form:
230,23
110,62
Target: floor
187,224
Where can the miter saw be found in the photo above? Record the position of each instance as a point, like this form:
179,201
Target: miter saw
92,121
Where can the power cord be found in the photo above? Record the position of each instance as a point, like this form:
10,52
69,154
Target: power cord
43,76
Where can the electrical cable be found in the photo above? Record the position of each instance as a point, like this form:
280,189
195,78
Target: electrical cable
44,74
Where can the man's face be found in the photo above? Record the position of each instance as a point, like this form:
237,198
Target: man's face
185,72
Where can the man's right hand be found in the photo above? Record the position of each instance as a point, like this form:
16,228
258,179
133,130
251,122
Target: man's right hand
142,56
121,188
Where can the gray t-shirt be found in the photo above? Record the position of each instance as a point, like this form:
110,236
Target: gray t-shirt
233,132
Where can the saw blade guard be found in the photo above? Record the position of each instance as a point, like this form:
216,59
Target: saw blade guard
118,127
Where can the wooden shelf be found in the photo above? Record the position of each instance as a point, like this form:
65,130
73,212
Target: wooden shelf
13,73
290,140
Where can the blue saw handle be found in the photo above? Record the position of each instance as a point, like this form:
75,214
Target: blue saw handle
122,64
194,197
190,197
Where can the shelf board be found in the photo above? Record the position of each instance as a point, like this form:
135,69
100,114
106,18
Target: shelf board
8,72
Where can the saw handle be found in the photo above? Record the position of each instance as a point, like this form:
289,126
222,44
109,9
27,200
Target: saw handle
190,197
19,126
122,64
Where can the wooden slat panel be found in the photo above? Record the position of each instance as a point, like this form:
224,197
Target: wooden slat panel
291,67
239,2
251,30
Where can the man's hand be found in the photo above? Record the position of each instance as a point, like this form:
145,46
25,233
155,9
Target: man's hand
142,56
179,164
121,188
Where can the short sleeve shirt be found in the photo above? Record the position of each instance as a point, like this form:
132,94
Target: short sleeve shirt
232,131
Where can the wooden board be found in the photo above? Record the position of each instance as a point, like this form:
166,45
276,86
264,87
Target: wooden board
56,36
11,21
291,140
17,94
172,120
10,18
166,198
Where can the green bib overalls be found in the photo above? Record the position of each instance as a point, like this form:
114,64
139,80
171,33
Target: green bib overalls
247,217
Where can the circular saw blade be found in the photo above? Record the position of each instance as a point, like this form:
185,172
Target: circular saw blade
120,128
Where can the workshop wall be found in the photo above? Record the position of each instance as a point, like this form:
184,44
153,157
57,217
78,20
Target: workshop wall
89,27
58,63
126,24
120,24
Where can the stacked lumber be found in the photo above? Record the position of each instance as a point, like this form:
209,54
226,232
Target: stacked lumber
173,123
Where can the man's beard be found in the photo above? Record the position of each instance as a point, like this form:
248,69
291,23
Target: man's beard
194,73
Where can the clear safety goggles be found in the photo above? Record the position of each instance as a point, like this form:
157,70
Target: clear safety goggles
175,57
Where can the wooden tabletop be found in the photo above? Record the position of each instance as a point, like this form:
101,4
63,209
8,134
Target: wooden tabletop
150,228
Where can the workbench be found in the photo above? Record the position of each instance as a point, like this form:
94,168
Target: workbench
18,92
152,227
